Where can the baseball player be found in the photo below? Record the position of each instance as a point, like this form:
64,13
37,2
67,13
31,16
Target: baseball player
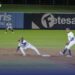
69,44
9,26
23,45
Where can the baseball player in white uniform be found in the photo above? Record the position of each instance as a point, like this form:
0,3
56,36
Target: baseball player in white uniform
69,44
24,45
9,26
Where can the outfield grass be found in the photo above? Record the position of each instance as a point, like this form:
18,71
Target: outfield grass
36,8
54,39
39,38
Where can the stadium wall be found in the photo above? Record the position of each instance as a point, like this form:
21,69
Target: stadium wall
38,20
17,19
49,20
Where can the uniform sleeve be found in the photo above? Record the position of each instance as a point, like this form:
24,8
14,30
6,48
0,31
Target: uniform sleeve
19,44
24,43
72,37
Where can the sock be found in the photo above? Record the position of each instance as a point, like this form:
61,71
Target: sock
64,51
69,52
12,30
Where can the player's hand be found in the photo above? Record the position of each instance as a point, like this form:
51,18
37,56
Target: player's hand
67,43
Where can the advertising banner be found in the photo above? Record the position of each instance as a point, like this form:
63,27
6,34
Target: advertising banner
16,19
49,21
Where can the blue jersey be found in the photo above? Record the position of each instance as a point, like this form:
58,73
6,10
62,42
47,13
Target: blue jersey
23,43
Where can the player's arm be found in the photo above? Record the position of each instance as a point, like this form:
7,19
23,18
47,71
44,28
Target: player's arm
24,43
67,43
70,40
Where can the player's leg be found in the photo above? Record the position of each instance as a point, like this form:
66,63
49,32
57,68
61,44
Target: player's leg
7,28
11,29
69,46
64,51
35,49
22,51
70,52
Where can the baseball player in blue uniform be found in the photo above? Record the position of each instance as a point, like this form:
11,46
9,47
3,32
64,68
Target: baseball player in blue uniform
23,45
69,44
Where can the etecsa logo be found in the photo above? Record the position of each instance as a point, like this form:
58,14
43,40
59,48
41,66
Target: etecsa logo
47,20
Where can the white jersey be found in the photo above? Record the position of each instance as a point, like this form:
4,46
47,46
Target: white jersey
71,36
9,25
23,43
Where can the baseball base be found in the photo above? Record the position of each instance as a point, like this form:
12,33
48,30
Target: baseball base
46,55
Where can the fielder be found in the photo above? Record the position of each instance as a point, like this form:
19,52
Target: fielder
69,44
9,26
23,45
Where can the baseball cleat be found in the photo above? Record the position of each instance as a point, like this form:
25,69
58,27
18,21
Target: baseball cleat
68,56
61,53
39,54
23,55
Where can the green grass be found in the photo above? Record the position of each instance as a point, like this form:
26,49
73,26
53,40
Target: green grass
54,39
36,8
39,38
